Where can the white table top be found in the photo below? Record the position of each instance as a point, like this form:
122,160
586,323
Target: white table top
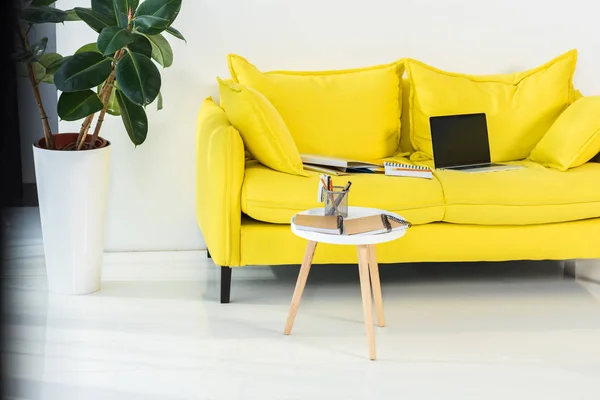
353,212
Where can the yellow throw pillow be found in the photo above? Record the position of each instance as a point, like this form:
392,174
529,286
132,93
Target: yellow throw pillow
264,133
519,107
351,113
574,139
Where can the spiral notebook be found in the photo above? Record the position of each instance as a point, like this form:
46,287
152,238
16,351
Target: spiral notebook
330,224
414,171
374,224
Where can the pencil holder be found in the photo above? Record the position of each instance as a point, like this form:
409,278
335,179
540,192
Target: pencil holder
336,201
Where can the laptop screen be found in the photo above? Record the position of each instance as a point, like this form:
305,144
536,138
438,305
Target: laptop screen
459,140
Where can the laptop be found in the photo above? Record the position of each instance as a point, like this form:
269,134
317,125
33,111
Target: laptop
460,143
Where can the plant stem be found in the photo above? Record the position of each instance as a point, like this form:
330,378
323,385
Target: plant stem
36,93
85,127
105,94
105,100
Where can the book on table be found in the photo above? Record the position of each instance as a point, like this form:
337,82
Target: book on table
330,224
374,224
337,225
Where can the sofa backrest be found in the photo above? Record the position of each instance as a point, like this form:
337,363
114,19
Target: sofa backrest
351,113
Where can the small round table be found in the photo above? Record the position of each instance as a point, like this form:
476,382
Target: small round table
367,265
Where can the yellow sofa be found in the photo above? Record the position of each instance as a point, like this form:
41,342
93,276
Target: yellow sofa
534,213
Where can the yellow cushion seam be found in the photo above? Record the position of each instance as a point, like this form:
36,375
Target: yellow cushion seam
486,78
583,146
525,205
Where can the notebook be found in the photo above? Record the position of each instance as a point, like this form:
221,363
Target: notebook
320,163
415,171
330,224
324,170
336,162
374,224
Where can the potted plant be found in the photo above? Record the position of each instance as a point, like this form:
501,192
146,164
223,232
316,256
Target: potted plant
115,75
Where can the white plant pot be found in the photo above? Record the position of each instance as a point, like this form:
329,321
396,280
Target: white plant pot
72,189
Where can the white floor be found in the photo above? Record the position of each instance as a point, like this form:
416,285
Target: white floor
156,331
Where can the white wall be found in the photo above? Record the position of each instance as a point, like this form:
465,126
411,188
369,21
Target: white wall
152,205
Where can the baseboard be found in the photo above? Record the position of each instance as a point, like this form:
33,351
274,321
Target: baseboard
588,270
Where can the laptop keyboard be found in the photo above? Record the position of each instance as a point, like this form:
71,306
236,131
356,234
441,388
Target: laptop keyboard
471,166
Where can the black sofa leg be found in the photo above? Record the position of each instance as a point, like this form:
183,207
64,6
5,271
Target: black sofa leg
225,284
569,269
208,253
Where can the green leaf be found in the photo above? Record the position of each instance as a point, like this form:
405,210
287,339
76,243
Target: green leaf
159,103
42,2
48,78
49,58
113,105
43,14
138,78
165,9
141,44
72,15
82,71
150,25
38,49
112,39
106,8
123,5
40,71
94,19
52,62
88,47
161,50
175,33
34,53
134,118
78,105
109,10
123,20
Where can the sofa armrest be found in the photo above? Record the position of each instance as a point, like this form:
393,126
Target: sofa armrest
219,176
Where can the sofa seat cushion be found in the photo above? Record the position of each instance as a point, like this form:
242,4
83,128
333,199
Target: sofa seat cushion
272,196
532,195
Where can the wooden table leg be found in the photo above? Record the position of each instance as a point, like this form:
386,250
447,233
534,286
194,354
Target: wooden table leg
374,270
365,288
300,284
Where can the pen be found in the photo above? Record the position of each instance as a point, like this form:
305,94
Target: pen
323,183
340,198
